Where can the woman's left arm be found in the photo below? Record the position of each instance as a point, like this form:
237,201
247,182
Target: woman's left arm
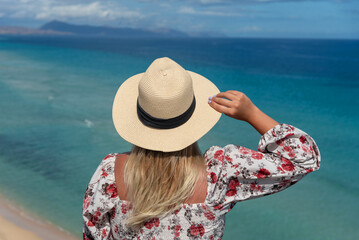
99,201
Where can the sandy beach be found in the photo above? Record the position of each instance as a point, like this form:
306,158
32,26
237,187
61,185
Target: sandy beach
16,224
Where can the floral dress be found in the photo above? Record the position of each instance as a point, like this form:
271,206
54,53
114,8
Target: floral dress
234,173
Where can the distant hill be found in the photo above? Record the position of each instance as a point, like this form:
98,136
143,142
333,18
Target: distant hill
103,31
13,30
66,29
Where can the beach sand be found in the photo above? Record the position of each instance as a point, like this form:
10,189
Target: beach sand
17,224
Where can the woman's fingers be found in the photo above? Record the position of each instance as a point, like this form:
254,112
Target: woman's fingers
222,101
236,93
219,108
227,94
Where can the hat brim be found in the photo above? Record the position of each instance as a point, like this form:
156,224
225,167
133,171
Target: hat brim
130,128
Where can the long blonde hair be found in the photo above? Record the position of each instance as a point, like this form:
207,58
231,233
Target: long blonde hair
159,182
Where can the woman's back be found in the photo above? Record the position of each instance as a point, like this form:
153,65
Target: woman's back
234,173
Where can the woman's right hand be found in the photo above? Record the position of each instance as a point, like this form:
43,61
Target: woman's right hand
234,104
239,106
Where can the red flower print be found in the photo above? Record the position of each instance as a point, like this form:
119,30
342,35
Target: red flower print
219,155
86,203
309,170
305,148
201,230
197,230
233,184
209,215
289,134
113,213
111,189
95,218
104,233
156,222
255,187
244,150
194,230
124,208
231,192
262,173
302,139
149,225
218,207
213,177
257,155
90,224
104,173
287,165
177,230
273,133
279,142
97,213
235,165
228,159
288,149
280,169
84,237
108,156
291,154
152,222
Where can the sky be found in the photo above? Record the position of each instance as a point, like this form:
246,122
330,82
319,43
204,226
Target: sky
233,18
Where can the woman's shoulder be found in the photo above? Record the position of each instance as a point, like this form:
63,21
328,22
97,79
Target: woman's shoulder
112,157
217,153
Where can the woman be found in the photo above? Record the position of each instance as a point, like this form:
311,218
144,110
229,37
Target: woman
165,188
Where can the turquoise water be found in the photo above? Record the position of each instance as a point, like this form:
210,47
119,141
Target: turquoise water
55,116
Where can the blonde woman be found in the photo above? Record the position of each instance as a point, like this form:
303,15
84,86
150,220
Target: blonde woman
165,188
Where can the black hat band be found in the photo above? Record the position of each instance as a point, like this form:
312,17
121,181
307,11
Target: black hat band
161,123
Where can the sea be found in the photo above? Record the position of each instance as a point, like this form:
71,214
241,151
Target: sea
56,96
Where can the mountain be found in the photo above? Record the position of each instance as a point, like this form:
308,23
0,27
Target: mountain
103,31
14,30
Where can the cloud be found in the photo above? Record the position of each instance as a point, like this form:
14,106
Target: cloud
94,10
190,10
102,11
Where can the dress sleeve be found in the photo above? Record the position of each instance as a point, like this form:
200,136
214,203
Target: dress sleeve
235,173
99,201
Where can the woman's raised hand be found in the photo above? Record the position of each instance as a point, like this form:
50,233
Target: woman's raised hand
237,105
234,104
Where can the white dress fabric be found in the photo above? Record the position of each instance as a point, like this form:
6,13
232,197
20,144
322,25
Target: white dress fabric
234,173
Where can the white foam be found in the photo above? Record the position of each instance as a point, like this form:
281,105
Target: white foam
88,123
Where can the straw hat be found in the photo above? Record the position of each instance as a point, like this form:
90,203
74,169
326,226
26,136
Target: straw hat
165,108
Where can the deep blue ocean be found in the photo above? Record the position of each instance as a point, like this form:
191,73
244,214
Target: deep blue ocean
56,126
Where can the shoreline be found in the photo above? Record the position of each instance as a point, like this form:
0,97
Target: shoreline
18,223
